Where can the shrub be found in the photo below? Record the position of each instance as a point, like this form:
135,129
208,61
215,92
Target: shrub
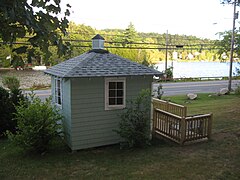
160,91
6,110
237,90
17,96
134,126
37,125
11,82
169,73
8,101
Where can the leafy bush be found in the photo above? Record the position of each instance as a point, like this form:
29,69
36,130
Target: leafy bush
6,110
169,73
134,126
8,101
37,125
237,90
11,82
159,91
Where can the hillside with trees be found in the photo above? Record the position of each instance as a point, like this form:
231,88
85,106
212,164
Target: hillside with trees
146,48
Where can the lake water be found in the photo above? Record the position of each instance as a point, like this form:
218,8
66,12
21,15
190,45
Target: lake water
199,69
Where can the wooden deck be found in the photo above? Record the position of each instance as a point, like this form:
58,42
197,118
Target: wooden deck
171,121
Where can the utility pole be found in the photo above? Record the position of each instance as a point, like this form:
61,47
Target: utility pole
235,16
166,55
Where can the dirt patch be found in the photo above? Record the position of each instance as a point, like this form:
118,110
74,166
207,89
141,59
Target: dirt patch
224,135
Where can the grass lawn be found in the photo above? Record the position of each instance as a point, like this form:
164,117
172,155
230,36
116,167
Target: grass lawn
215,159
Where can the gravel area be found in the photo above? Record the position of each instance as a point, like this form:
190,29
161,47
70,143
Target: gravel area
27,77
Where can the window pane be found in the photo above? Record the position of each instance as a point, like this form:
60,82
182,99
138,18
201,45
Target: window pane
119,85
119,101
112,85
56,98
58,92
112,93
119,93
112,101
59,100
58,83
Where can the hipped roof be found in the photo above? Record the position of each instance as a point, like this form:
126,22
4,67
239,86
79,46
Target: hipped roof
99,63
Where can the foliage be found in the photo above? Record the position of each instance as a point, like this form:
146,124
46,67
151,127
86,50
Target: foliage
8,103
17,61
130,35
237,90
37,125
230,2
36,20
160,91
224,45
169,73
6,111
238,70
5,56
128,43
134,126
11,82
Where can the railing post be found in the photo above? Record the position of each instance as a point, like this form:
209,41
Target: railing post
154,122
210,126
183,130
184,111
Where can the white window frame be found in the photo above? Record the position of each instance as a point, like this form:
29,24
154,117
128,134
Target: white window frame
112,107
56,89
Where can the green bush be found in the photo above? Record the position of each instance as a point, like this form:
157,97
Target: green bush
237,90
37,125
8,101
11,82
6,110
169,73
134,126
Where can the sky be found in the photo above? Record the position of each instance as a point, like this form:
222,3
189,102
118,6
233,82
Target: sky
201,18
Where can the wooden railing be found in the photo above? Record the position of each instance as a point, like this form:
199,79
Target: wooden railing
173,108
170,121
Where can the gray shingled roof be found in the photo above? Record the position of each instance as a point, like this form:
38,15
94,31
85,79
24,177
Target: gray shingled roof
97,64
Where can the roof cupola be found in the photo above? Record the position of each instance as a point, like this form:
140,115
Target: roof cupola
97,42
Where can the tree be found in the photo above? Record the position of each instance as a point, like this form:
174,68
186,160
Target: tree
223,45
230,1
130,35
35,20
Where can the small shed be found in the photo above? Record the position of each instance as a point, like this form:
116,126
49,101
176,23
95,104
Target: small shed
92,89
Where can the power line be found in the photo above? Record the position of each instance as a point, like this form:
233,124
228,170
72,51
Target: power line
170,47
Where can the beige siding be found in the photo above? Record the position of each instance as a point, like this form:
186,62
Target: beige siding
91,124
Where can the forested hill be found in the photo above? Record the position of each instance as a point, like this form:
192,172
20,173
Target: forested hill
141,46
146,48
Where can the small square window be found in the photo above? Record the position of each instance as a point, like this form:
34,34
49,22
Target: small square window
115,93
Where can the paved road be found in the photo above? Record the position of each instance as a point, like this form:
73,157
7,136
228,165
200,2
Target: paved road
195,87
42,94
175,88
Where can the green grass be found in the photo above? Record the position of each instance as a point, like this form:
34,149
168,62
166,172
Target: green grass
215,159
